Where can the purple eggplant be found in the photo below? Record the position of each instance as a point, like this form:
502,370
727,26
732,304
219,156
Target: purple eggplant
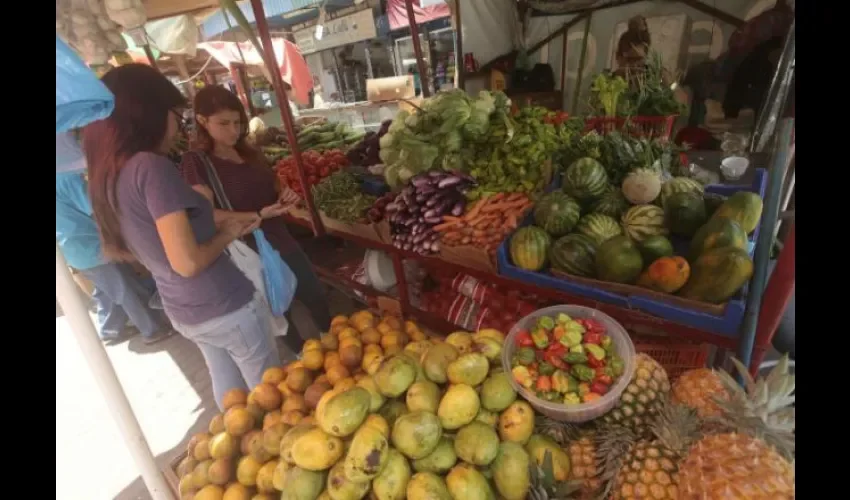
420,181
435,246
426,190
391,207
457,209
407,246
431,213
444,206
434,220
409,222
436,174
433,200
449,181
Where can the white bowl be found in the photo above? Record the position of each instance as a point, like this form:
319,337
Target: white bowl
734,167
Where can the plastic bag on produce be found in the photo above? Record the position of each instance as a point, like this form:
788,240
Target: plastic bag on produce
80,97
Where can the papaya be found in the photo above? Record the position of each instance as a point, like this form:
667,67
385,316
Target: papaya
718,232
667,274
718,274
742,207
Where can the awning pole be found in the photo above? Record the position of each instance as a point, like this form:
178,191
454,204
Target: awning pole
90,344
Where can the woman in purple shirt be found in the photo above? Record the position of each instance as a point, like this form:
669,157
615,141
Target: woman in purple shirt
144,208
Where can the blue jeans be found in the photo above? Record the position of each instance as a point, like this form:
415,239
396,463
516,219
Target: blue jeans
119,295
237,347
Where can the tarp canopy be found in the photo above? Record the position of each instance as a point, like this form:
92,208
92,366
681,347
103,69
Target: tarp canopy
293,67
397,12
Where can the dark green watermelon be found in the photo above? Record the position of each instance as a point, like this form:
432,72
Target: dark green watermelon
612,204
618,260
684,213
655,247
585,179
529,248
574,254
557,213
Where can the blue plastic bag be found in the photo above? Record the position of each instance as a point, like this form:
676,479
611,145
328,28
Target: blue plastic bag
81,98
279,279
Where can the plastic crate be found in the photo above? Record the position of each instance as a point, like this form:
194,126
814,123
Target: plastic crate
675,356
660,127
721,320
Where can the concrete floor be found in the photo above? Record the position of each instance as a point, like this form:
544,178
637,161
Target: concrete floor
169,389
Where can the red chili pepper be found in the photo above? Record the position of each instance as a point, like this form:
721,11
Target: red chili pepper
603,379
557,362
593,362
598,388
592,337
523,339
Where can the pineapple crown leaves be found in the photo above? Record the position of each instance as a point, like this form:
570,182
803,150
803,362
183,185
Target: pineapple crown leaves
612,446
543,481
561,432
763,409
676,426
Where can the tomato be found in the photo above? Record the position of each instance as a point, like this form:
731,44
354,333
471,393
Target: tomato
523,339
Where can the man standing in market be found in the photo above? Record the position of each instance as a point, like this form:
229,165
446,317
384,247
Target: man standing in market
119,294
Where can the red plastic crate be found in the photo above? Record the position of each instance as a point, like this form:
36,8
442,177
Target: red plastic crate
675,356
637,126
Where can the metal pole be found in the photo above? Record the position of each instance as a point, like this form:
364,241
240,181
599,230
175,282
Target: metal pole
459,67
77,313
417,49
765,241
581,59
285,112
151,58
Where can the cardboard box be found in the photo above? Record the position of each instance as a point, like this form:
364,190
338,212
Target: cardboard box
390,89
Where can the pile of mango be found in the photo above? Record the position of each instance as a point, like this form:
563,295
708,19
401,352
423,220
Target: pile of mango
375,408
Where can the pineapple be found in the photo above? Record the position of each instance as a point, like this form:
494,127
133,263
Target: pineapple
735,466
754,458
697,389
649,469
643,397
580,447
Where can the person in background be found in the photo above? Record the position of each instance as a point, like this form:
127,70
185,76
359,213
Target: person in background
252,188
143,208
633,48
119,294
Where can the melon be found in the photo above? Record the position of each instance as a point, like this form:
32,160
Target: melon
529,248
642,186
618,260
574,254
712,202
556,213
685,213
612,203
642,221
680,185
717,233
718,274
744,208
598,227
585,179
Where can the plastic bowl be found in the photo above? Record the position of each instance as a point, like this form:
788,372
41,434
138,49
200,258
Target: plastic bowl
734,167
585,411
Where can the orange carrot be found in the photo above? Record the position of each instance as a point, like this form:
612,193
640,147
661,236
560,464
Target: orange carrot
445,226
473,212
494,198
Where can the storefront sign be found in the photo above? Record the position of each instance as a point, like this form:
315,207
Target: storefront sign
341,31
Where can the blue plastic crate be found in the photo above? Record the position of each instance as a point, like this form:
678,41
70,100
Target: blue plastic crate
726,324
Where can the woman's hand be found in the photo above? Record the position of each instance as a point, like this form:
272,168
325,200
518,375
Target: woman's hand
237,227
288,199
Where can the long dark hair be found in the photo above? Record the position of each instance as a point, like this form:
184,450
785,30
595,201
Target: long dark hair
211,100
143,100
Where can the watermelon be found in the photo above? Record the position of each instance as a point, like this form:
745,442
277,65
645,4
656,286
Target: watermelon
642,186
529,248
685,213
712,202
585,179
612,203
574,254
643,221
557,213
744,208
655,247
618,260
599,227
680,185
718,274
717,233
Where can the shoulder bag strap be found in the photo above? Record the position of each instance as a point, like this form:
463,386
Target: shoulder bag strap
215,182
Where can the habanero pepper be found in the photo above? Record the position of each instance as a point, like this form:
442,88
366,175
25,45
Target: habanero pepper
595,362
523,339
592,337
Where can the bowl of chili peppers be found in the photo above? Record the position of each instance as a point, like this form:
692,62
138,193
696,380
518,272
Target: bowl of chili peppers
571,363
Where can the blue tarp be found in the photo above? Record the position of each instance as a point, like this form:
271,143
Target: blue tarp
81,98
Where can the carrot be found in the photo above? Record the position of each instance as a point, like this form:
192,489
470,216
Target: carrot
445,226
479,233
494,198
473,212
511,220
465,240
514,197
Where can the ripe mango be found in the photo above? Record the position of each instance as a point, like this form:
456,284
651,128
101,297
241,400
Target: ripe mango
497,393
391,483
477,444
341,413
395,375
436,360
470,369
302,484
416,434
510,471
427,486
316,450
424,396
465,482
439,461
458,407
516,423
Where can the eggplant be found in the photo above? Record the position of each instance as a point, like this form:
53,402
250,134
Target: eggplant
457,209
420,237
452,180
436,174
426,190
434,220
433,200
435,246
444,206
420,181
409,222
407,246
